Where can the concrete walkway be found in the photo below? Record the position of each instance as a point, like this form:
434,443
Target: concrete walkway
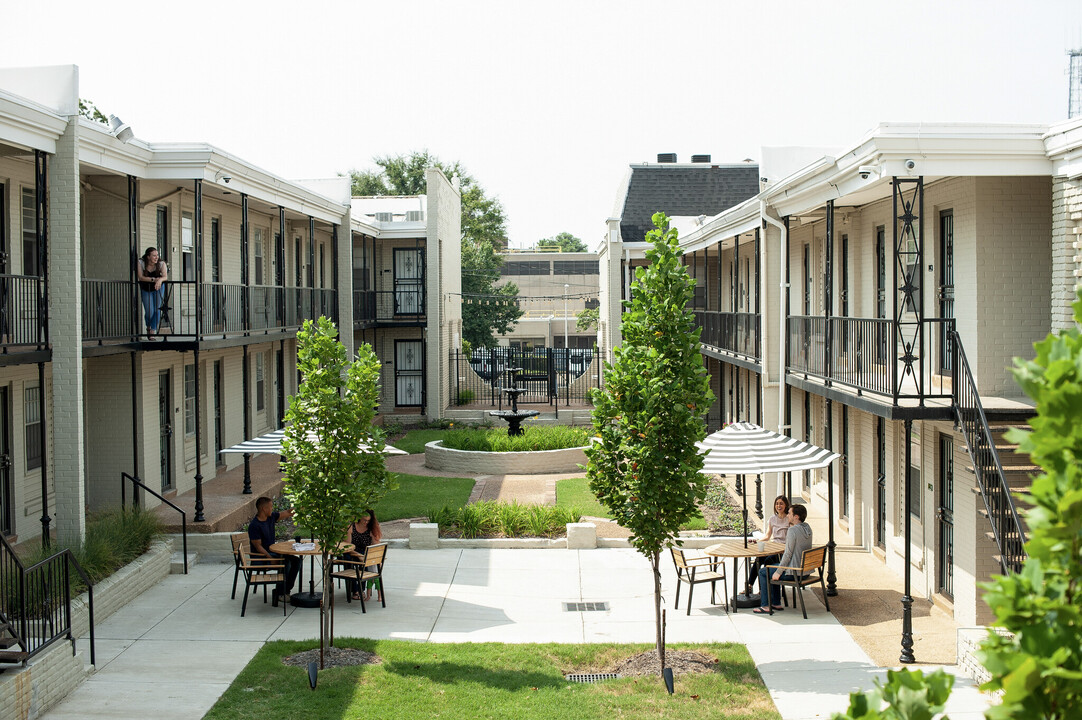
173,650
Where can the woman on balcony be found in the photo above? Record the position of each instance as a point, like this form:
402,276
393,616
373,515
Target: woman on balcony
151,273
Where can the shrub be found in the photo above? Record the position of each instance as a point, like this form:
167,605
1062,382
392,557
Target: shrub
465,397
494,519
548,437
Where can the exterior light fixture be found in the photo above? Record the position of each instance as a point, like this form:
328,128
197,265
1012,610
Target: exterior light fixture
120,129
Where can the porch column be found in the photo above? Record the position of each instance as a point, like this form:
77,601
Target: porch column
788,420
832,576
828,296
197,258
909,259
198,443
907,599
63,323
312,266
706,272
245,305
280,266
133,233
719,277
736,274
247,422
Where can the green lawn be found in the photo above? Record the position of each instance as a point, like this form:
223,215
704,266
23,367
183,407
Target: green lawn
414,441
417,494
575,493
490,680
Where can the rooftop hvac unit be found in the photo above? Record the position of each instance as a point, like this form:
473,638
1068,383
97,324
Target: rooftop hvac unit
666,157
415,216
384,217
700,158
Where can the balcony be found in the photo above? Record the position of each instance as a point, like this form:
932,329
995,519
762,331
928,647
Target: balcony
404,306
112,310
22,322
873,355
731,332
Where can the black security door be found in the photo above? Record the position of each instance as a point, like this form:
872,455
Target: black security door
946,286
165,425
7,517
945,517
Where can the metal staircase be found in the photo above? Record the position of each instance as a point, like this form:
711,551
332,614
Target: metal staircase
994,481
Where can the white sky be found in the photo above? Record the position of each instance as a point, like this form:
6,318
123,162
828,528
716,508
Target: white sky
546,105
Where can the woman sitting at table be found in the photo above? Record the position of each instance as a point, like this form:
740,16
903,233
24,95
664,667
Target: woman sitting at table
774,529
361,534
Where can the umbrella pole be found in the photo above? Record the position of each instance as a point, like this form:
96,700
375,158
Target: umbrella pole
745,600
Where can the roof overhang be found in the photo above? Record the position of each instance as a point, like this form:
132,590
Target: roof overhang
28,126
724,228
1063,142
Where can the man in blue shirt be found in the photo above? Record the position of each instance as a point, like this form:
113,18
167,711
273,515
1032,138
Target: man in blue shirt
261,535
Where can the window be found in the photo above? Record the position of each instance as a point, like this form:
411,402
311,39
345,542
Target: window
322,271
31,266
526,267
914,469
161,234
845,462
187,247
260,387
32,415
257,245
575,267
215,250
808,435
298,263
189,399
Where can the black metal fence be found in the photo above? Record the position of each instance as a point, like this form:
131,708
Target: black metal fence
550,375
21,316
402,305
733,332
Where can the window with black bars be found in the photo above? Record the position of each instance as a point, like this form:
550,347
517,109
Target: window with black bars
189,399
32,419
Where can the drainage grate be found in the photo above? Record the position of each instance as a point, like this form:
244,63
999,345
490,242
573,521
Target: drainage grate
585,606
590,677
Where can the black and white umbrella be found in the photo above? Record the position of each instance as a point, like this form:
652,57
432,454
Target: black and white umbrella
747,449
272,443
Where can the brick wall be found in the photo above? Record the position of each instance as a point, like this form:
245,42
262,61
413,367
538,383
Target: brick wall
1066,248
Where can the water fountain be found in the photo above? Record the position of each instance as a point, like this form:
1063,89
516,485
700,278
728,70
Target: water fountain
514,416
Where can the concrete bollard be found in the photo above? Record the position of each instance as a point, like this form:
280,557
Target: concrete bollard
424,536
581,536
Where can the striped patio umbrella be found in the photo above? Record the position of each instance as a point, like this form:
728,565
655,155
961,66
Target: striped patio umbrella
272,443
747,449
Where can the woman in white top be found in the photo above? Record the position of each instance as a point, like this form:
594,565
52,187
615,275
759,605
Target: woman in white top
774,530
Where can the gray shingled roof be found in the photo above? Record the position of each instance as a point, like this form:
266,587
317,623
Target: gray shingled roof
682,190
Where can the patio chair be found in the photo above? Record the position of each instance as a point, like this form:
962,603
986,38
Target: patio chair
695,571
356,571
237,539
813,560
260,571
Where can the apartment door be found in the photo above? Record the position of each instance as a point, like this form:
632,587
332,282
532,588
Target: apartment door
165,426
880,484
279,387
3,230
7,516
946,287
217,292
409,279
219,430
408,373
945,518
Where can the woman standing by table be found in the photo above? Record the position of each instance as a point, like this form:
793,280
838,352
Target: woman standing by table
361,534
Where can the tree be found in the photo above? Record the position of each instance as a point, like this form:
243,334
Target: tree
487,308
333,454
91,112
587,319
565,241
645,467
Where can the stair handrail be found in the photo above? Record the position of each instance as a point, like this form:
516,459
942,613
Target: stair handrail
981,434
27,578
137,483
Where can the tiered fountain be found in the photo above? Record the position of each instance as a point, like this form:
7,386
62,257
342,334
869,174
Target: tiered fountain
514,416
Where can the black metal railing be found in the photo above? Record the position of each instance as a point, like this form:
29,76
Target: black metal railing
865,354
112,309
35,601
388,306
549,375
136,484
734,332
21,311
1007,526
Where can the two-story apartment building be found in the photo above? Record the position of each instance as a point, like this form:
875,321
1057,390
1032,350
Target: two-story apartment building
872,302
85,394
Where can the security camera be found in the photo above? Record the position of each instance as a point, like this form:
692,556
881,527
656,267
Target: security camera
866,170
227,178
909,164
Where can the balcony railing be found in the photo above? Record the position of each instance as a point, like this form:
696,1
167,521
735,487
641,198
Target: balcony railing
21,317
865,354
113,310
388,306
733,332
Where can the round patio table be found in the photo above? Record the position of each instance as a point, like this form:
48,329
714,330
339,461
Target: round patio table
736,548
311,598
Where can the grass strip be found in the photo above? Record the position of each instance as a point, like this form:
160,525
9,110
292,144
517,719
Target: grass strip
490,680
417,494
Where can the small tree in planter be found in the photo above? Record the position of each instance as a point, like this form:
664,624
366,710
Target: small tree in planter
645,467
333,453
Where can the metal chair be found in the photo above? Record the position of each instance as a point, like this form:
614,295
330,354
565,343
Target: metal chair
695,571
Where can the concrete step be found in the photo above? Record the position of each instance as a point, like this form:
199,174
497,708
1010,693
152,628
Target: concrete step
176,562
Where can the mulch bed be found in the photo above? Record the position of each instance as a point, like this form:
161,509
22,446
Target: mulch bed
333,657
681,661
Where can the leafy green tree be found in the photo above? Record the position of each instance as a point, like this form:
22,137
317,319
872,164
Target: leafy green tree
333,453
565,241
644,466
587,319
487,307
908,694
91,112
1038,666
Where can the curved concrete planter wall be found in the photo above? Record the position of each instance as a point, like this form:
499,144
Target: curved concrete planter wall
476,462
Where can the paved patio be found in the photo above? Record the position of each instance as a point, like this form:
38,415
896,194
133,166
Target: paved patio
174,650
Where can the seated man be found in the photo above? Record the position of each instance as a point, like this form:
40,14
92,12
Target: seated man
261,534
797,540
